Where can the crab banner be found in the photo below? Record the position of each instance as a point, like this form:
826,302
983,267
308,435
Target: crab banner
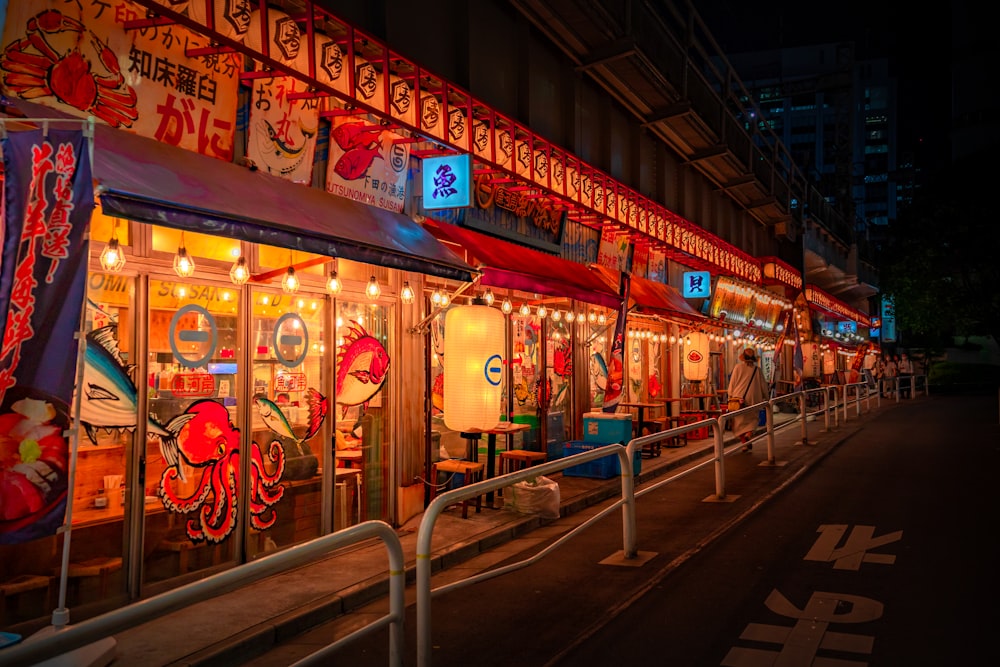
78,57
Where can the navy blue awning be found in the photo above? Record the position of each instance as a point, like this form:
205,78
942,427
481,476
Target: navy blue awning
148,181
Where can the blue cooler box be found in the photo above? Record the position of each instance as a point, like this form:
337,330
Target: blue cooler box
602,468
607,427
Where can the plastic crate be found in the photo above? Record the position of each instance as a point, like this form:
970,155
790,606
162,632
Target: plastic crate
606,428
554,450
605,467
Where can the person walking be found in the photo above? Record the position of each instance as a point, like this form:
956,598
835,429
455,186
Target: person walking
905,369
747,385
891,371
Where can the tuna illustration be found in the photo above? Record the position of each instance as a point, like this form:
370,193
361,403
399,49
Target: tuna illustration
275,419
362,364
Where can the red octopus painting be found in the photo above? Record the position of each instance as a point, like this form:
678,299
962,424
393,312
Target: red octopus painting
205,441
59,57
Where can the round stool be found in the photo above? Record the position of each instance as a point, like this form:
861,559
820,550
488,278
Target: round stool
519,459
472,472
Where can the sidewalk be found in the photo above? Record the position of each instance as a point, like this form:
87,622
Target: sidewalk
236,627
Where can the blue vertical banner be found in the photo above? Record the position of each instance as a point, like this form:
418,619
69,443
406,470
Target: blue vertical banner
616,359
48,200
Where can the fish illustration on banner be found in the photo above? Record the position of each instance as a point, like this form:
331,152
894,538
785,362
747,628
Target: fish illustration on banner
282,131
79,58
300,462
616,358
367,163
48,201
362,366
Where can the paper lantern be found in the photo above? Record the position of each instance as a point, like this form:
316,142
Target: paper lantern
331,62
232,19
286,44
811,360
829,362
696,357
430,114
473,367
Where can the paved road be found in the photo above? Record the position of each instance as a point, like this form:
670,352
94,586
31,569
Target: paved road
878,549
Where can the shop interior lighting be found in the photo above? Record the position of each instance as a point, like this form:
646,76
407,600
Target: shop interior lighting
373,291
556,315
507,307
542,312
239,273
112,257
183,264
525,310
333,284
290,282
406,294
436,297
488,297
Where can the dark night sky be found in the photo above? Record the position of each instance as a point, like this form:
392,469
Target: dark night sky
917,43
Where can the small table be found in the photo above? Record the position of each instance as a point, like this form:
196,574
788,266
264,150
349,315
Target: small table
472,436
641,408
701,399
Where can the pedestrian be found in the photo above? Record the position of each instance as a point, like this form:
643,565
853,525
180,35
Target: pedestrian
747,385
905,370
891,370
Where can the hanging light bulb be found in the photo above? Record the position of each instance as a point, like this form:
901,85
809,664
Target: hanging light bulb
436,297
445,299
556,315
525,310
112,257
239,273
592,317
570,316
601,319
406,294
488,297
183,264
507,307
542,312
290,282
373,291
333,284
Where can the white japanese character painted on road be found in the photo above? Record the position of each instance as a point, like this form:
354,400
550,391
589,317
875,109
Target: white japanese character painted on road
810,635
855,551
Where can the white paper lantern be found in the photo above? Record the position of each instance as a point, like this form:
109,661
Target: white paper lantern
696,357
331,62
232,19
286,43
829,365
430,114
473,367
811,360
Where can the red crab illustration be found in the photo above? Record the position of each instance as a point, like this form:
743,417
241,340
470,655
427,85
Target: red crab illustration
48,61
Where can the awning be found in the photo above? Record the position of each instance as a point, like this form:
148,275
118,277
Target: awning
511,266
149,181
650,297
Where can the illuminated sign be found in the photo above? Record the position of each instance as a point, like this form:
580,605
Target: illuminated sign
447,181
697,284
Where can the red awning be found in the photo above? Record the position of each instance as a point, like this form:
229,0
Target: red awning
651,297
511,266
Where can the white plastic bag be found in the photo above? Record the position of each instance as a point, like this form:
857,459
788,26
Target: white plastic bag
538,495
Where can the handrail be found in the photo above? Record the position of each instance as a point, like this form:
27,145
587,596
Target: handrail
74,636
437,506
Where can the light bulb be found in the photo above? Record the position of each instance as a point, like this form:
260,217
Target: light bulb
556,315
525,310
436,298
239,273
290,282
506,306
406,294
373,291
183,264
333,285
112,257
488,297
542,312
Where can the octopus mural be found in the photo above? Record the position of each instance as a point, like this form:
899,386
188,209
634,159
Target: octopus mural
206,444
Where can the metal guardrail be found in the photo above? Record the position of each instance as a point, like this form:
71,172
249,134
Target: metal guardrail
72,637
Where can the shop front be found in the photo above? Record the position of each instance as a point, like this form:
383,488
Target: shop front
258,324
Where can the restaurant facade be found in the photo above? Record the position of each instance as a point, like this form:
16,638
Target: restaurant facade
225,302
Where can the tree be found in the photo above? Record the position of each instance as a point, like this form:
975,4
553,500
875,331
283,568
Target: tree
940,263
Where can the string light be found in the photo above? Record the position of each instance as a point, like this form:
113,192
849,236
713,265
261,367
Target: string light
488,297
436,297
112,257
290,282
239,273
524,310
507,307
373,291
542,312
333,284
183,265
406,294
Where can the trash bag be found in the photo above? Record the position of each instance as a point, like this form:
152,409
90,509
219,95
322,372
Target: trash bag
538,495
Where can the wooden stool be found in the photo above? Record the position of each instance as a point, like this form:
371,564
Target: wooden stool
102,567
19,584
519,459
182,545
472,471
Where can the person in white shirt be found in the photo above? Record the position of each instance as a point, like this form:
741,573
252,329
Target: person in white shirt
905,368
747,384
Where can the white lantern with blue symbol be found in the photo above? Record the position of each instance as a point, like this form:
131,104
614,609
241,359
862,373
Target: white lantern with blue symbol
473,367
